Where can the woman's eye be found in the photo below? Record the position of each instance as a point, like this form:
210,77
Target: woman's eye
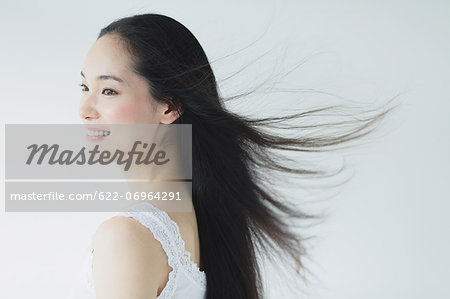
106,91
83,87
109,92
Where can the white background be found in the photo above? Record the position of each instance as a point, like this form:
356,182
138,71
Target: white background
389,234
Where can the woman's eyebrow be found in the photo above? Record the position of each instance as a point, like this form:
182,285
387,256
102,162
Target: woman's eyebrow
106,77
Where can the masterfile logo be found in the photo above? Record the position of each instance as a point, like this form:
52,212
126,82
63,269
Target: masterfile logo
72,167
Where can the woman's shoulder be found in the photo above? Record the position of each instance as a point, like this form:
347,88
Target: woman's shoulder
125,255
127,235
123,231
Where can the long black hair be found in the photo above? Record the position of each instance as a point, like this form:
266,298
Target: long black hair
239,214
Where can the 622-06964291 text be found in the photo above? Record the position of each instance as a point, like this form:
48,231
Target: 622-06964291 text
102,195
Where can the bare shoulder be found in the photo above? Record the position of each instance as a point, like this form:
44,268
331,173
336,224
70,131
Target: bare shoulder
128,261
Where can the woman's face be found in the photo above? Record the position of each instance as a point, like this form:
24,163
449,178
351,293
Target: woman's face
112,93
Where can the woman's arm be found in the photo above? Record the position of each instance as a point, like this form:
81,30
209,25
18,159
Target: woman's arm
128,262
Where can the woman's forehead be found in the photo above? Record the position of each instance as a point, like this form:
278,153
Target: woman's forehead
107,56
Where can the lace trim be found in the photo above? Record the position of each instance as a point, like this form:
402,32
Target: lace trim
167,232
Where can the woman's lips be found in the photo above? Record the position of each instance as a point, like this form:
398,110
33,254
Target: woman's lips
96,134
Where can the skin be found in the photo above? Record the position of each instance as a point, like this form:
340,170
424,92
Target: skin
107,101
128,261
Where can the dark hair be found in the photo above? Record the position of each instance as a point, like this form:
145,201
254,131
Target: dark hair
239,214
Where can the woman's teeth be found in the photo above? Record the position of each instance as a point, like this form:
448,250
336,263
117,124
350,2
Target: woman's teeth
98,133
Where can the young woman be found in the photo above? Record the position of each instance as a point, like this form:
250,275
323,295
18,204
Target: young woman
157,73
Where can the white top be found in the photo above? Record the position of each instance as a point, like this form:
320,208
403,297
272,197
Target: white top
185,280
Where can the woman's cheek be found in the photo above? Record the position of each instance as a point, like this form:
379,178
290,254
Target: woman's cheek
125,113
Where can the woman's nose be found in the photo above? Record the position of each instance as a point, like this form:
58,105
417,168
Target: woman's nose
87,111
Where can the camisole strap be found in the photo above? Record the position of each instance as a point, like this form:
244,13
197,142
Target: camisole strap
167,232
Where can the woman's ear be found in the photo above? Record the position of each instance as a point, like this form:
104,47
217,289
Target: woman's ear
171,112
